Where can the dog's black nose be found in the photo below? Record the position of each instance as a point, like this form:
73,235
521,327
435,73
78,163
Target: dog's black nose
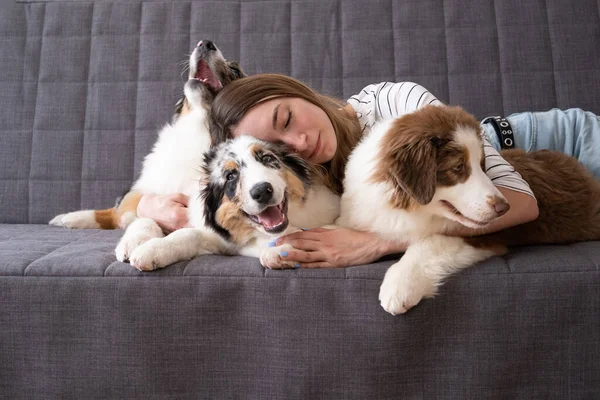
207,44
262,192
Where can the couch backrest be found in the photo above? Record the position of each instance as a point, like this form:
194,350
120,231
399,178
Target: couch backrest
85,85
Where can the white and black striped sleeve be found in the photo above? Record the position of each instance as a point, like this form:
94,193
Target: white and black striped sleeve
501,172
391,100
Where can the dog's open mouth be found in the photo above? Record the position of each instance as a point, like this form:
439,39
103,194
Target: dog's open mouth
205,75
458,216
273,218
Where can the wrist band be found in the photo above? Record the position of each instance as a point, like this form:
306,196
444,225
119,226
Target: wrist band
503,130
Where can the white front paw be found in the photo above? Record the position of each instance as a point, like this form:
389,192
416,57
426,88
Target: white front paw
147,257
403,288
137,234
270,257
128,244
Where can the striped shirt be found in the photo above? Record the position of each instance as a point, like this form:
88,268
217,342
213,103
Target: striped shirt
387,100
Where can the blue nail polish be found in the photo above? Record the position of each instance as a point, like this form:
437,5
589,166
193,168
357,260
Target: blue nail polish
271,244
297,266
283,253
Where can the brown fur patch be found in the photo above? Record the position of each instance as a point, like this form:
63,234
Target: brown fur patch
111,217
107,219
254,149
230,165
231,217
294,185
568,199
415,147
129,204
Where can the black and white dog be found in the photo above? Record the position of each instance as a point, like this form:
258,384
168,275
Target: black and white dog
251,193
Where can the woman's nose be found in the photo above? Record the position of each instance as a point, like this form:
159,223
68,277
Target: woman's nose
296,141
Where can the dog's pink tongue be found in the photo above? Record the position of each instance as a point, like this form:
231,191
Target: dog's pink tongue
271,217
205,74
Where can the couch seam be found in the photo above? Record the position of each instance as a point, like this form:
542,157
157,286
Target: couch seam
289,36
37,93
446,50
551,53
87,99
340,16
147,275
500,72
137,88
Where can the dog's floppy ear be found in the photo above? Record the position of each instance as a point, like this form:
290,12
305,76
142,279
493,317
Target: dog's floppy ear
415,168
235,70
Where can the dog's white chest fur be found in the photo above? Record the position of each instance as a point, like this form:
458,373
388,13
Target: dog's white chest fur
175,163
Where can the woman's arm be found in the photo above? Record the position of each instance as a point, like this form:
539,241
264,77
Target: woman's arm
169,211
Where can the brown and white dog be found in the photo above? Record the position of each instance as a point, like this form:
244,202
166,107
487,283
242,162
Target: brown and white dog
424,174
162,172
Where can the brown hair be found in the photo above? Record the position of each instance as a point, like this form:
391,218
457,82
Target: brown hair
238,97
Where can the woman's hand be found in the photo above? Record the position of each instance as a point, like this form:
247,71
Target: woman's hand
337,248
169,211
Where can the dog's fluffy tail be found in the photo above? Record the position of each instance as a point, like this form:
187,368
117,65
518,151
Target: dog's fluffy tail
87,219
111,218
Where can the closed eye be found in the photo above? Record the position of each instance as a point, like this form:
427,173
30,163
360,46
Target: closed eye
289,119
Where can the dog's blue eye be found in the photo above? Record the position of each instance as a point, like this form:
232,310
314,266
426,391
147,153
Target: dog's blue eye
231,176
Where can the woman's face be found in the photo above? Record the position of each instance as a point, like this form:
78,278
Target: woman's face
298,123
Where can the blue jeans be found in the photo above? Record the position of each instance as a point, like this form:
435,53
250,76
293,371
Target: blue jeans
574,132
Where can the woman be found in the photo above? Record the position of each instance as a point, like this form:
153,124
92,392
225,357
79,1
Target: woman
323,131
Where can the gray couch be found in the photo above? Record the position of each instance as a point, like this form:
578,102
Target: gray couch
84,86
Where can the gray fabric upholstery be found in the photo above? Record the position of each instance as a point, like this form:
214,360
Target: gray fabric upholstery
77,324
84,87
